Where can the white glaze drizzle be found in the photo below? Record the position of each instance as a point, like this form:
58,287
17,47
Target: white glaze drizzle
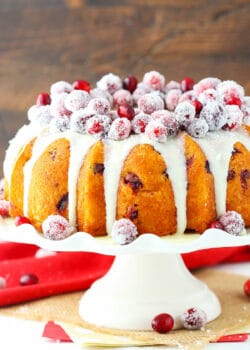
22,138
78,151
218,147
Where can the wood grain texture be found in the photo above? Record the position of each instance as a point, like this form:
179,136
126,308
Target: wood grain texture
43,41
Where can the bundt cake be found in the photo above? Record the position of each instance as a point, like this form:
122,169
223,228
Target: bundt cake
170,157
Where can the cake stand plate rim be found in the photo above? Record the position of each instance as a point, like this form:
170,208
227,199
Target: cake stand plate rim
144,244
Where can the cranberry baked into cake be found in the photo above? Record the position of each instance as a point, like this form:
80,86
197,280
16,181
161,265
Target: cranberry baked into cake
160,157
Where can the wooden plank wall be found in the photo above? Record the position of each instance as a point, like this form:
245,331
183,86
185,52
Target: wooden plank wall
42,41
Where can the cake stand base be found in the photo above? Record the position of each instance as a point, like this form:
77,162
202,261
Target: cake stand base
141,286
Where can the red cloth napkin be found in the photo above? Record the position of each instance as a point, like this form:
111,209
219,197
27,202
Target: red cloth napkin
66,272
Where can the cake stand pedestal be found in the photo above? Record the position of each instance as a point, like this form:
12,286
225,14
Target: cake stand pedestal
147,277
141,286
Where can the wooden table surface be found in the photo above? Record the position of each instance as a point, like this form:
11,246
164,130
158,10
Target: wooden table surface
42,41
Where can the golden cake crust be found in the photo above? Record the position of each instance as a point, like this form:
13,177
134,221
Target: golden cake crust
145,193
16,190
90,203
238,182
48,192
200,201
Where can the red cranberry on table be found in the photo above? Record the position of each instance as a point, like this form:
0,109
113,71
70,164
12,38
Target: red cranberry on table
43,99
162,323
28,279
130,83
81,85
20,220
187,84
247,288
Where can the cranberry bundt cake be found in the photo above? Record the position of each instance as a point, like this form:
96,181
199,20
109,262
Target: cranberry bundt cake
171,158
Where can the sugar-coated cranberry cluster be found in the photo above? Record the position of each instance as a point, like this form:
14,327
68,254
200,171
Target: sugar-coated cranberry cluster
117,108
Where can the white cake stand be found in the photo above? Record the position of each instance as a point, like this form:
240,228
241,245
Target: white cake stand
147,277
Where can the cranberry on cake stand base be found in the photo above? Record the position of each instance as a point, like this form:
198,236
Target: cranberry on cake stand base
140,286
148,276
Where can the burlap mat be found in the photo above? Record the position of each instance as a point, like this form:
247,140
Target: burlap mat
63,309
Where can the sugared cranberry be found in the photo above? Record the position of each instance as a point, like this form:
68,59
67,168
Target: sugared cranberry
216,224
78,120
60,87
185,113
232,222
172,98
187,96
43,99
207,96
232,100
140,122
187,84
229,89
98,126
130,83
76,99
2,282
247,288
122,97
197,105
155,130
57,107
28,279
56,227
120,129
124,231
95,128
215,115
168,120
126,111
198,128
172,84
162,323
4,208
81,85
234,117
110,82
204,84
150,102
194,318
154,80
59,124
20,220
41,115
98,105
